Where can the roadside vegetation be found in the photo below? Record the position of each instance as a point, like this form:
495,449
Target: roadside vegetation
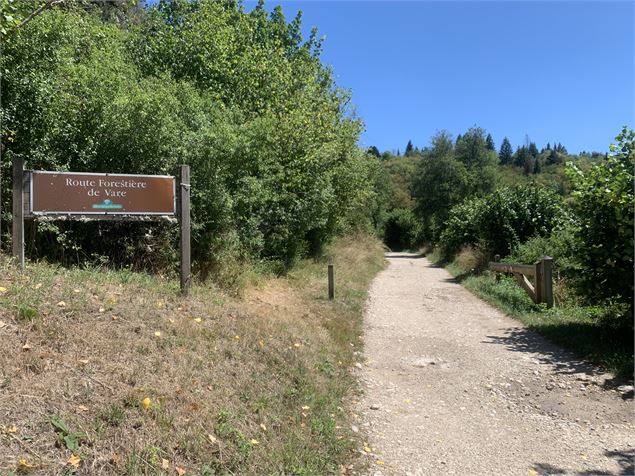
112,372
467,202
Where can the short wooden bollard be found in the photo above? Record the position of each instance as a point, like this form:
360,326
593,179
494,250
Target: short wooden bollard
331,283
497,259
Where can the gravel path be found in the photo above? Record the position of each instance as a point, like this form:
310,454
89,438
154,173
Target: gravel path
453,386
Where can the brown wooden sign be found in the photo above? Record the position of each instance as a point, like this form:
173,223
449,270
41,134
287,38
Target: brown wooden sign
71,193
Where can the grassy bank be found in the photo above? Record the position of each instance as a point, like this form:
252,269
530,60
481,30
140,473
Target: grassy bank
108,372
572,326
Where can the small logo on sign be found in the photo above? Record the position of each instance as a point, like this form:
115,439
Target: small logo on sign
108,205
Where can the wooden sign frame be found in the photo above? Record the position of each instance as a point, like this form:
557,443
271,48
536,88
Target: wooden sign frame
22,209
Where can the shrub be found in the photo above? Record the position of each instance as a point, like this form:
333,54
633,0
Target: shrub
502,220
603,201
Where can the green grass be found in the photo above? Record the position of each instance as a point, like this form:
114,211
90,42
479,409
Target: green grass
580,329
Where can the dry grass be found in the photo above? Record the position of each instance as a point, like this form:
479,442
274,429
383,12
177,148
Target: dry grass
250,385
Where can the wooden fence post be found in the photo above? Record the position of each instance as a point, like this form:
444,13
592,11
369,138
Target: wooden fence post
331,273
547,279
539,287
497,259
17,231
184,221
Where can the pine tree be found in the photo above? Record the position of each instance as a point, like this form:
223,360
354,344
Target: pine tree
548,146
373,150
537,167
533,150
490,142
506,153
409,149
458,139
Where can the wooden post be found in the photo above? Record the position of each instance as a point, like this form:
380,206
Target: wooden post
331,283
538,282
497,258
184,220
547,279
17,231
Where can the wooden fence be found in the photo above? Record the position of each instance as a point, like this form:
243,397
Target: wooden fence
540,289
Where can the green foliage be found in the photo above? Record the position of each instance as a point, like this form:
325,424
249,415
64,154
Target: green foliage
603,201
502,220
276,171
401,229
449,174
69,438
560,245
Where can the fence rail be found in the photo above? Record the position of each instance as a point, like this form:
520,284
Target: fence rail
540,289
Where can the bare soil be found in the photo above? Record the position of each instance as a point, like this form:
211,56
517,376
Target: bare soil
454,386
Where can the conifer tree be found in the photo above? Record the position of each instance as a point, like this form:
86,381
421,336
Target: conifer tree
490,142
506,152
409,149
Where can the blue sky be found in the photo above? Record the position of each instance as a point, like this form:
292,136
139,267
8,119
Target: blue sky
556,71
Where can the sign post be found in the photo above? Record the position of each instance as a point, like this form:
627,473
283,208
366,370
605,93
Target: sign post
184,218
17,231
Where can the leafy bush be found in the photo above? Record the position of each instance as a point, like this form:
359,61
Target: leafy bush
502,220
603,201
560,245
276,171
402,229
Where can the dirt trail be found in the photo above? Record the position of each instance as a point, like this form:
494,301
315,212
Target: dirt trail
453,386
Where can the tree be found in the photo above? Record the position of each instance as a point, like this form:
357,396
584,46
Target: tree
409,149
506,153
374,151
480,162
440,183
533,150
490,142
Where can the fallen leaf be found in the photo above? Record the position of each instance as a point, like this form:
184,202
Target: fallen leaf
306,408
114,318
296,345
38,285
83,408
77,290
236,337
197,319
343,470
3,290
102,309
12,429
379,462
145,403
211,438
532,471
83,361
26,347
583,456
165,464
407,400
157,333
261,343
179,471
24,465
2,324
254,442
264,428
367,449
61,304
74,461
